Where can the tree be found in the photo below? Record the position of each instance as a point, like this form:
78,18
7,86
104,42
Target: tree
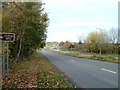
29,23
80,42
113,35
65,45
77,46
71,47
97,42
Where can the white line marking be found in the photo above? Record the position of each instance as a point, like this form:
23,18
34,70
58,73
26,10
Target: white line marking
108,70
72,60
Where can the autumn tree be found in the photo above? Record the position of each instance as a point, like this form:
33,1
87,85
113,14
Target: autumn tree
64,45
97,42
29,23
61,43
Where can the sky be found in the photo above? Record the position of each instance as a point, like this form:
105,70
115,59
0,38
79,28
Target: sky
71,20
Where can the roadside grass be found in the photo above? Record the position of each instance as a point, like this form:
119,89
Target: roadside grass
35,73
103,57
50,76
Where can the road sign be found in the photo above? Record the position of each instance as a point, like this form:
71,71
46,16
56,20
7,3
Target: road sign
6,37
9,37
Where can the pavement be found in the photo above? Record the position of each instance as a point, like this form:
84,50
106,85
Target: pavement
85,73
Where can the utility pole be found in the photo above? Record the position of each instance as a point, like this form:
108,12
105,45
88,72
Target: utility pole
100,40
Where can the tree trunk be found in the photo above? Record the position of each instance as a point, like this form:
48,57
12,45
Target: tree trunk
100,51
18,55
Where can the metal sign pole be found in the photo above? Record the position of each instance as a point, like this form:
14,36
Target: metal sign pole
7,58
9,37
3,61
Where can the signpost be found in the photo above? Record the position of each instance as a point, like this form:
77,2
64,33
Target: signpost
6,37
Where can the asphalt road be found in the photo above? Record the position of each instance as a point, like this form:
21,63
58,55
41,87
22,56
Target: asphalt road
86,73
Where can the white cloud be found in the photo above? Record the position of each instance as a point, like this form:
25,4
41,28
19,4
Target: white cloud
71,18
63,36
65,31
81,24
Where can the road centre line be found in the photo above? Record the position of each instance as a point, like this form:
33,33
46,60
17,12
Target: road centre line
72,60
108,70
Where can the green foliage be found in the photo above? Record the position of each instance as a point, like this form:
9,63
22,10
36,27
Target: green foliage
29,23
80,42
100,42
71,46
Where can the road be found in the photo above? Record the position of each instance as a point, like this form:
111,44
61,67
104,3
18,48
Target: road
85,73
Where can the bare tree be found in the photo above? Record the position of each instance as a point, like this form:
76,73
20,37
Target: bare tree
113,35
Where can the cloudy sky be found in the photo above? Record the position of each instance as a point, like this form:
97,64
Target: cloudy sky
74,19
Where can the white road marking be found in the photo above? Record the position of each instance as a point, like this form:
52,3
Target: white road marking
108,70
72,60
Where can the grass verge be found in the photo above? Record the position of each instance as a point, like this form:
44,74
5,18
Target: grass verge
98,57
35,73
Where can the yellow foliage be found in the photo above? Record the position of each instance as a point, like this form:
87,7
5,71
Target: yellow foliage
95,37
